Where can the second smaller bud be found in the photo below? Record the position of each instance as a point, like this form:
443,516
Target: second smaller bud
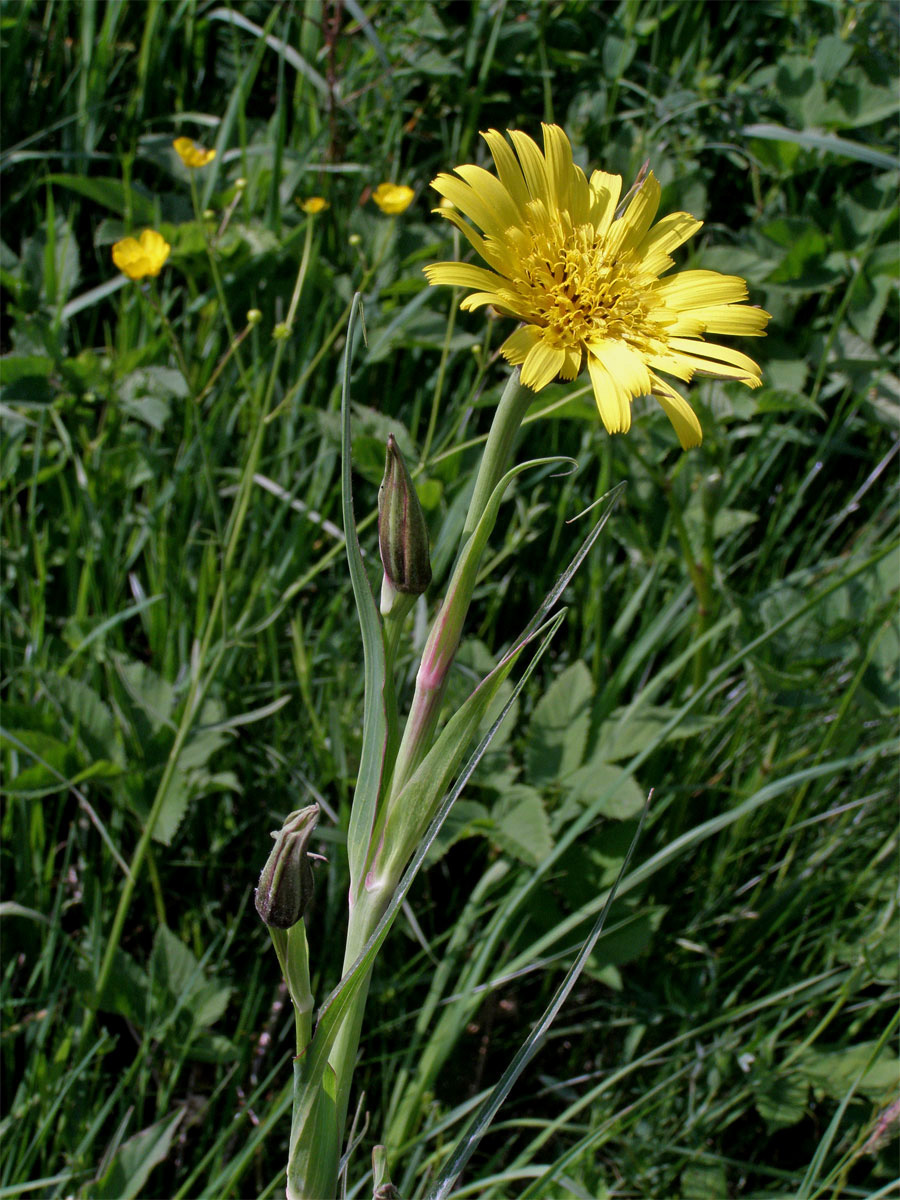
402,533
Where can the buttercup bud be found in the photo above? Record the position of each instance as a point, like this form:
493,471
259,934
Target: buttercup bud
286,884
402,534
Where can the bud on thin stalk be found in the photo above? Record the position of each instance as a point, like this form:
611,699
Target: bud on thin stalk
286,883
402,533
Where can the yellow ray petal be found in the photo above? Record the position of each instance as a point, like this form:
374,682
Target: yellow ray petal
688,324
684,419
467,200
558,155
665,236
492,192
533,166
572,365
581,197
738,319
718,370
716,355
612,403
675,365
539,219
542,364
505,301
629,230
459,274
516,347
605,192
479,244
508,168
624,364
699,289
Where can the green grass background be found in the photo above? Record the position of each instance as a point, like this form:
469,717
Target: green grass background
731,642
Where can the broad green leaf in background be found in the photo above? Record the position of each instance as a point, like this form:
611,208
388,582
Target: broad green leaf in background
780,1098
558,731
126,1176
833,1070
827,142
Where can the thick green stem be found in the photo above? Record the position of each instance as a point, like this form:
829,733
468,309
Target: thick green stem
514,404
394,624
364,916
293,957
434,669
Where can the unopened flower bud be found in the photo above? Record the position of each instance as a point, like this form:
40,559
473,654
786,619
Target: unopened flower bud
286,884
384,1189
254,316
402,533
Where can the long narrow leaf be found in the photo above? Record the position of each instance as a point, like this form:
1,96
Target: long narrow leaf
482,1119
239,94
375,727
812,139
290,55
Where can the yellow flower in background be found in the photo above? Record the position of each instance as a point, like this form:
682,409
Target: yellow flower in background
137,257
586,282
191,154
393,198
315,204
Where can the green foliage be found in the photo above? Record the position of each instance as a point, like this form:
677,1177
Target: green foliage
176,611
126,1175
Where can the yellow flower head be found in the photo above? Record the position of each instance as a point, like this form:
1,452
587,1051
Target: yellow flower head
315,204
586,281
137,257
393,198
191,154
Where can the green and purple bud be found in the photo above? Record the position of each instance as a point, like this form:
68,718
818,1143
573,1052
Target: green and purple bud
402,533
286,884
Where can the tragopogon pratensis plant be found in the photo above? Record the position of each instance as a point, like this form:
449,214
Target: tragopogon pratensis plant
582,273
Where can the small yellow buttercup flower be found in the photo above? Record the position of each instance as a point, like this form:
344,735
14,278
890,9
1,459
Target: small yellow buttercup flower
138,257
313,205
393,198
582,273
191,154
